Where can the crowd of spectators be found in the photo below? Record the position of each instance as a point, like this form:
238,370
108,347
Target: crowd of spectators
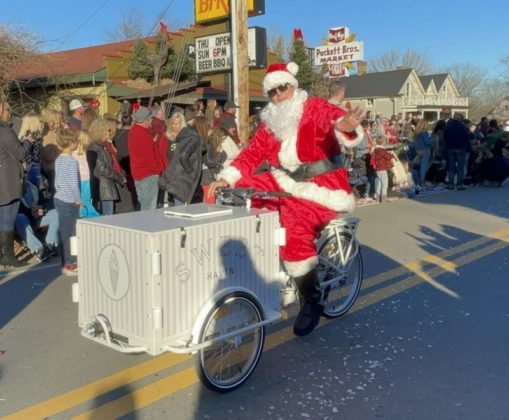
427,156
60,168
143,159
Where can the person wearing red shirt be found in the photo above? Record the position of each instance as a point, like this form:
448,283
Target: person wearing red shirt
146,162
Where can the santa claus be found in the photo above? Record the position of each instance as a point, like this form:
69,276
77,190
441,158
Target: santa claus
300,138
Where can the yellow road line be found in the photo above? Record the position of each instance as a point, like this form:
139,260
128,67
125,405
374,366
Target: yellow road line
143,396
502,234
80,395
181,380
169,385
394,289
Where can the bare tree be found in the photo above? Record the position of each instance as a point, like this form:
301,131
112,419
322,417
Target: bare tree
467,77
280,46
486,97
131,26
504,70
393,59
18,52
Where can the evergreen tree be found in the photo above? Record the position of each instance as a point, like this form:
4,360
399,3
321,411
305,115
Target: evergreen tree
299,55
179,59
139,65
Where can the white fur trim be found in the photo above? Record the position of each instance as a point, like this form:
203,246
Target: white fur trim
299,268
277,78
230,174
337,200
293,68
350,143
288,153
286,131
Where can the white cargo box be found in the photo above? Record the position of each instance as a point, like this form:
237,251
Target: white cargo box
150,274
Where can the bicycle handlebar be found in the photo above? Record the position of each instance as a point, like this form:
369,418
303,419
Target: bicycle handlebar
248,193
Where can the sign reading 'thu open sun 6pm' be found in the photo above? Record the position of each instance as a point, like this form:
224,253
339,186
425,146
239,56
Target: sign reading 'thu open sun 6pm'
213,52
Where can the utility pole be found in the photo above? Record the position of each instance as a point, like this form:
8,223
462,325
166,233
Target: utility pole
240,64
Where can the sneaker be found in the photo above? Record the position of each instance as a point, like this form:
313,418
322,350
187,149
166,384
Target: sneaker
449,187
52,250
70,269
461,187
42,254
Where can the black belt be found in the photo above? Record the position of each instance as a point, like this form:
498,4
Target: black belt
310,170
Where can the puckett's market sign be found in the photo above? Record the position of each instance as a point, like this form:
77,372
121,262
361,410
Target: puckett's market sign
339,53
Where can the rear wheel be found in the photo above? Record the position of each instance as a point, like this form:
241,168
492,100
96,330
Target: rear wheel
227,363
340,272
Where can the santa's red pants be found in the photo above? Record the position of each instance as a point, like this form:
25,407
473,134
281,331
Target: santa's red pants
302,219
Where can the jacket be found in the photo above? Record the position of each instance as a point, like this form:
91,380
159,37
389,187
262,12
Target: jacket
182,175
144,154
12,154
381,159
313,138
457,136
109,180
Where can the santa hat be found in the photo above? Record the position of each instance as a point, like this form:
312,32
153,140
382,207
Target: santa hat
279,74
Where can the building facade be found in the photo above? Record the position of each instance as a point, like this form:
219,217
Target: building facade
403,91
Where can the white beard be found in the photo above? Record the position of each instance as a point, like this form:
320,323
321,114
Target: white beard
283,120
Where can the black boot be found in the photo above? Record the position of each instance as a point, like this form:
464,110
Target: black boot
311,309
7,244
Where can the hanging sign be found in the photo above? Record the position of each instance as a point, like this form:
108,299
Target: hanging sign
213,53
338,70
339,53
214,10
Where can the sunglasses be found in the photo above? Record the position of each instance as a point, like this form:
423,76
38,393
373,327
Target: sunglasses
281,88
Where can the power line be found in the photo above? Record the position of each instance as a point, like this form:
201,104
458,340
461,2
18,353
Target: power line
68,37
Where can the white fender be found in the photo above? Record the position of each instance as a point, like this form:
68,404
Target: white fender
205,310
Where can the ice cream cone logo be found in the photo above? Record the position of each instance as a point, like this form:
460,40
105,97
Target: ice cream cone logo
114,269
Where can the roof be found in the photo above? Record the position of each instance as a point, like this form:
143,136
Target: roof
165,90
76,61
376,85
188,92
426,81
439,79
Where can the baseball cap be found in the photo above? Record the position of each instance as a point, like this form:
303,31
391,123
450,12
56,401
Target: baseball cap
142,114
75,104
230,104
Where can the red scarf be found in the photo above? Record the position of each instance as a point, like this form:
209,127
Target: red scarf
113,153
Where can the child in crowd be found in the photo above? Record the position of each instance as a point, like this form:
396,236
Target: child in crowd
80,154
381,160
67,196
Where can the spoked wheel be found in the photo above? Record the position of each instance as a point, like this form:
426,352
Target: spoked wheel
228,362
340,271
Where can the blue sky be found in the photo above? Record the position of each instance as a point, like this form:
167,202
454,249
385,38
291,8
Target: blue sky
448,32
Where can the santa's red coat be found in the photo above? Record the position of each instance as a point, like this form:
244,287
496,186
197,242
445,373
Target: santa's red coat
314,202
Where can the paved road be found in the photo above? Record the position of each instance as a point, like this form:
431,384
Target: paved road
426,339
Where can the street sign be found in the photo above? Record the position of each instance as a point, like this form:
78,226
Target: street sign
213,52
338,70
214,10
339,53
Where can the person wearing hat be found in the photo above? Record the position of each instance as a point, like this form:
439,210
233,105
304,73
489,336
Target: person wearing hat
228,120
77,107
146,162
299,137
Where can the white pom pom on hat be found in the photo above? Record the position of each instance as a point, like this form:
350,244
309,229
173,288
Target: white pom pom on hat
279,74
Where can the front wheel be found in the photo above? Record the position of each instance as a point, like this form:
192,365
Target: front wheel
340,272
228,362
